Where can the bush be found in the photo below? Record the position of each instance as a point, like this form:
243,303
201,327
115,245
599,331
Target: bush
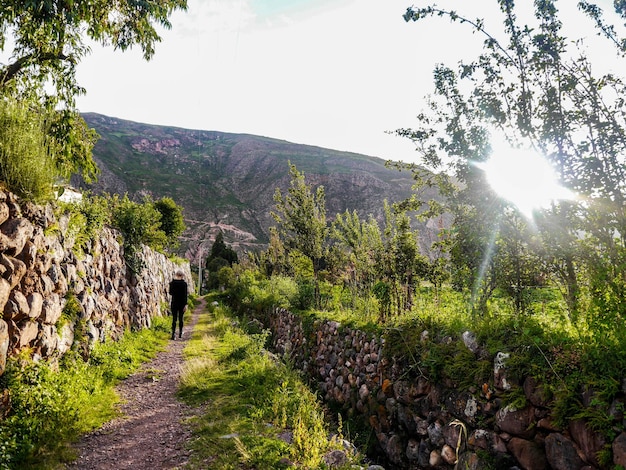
26,156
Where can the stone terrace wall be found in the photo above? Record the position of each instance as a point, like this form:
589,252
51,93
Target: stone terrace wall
420,424
39,271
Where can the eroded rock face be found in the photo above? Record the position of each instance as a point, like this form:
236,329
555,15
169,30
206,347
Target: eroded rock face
38,273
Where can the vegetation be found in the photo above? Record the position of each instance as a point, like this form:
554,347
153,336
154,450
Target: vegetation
254,400
172,222
26,153
52,404
48,40
301,218
219,262
154,224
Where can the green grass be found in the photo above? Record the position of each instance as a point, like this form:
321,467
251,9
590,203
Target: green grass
565,357
52,405
250,400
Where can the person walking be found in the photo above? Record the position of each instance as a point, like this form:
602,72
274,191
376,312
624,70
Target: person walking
178,291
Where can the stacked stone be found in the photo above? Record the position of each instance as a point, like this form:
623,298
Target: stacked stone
420,424
39,271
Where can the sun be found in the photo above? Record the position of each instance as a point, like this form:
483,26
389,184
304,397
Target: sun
524,178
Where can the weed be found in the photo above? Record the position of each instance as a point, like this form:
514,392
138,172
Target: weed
52,405
261,415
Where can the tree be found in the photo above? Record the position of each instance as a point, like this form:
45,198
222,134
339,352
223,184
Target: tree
172,221
49,38
362,240
301,218
140,224
540,89
221,256
400,263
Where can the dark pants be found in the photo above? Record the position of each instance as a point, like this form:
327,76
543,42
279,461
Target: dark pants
177,314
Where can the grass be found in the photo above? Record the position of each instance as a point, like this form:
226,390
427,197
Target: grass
251,401
566,358
51,405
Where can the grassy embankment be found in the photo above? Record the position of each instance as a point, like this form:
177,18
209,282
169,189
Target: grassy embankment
257,412
568,358
51,405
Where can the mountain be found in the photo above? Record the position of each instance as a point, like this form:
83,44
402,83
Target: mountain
227,181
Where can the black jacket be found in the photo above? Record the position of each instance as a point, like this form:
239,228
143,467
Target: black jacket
178,291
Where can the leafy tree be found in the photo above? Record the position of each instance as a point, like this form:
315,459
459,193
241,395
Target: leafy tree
301,218
221,256
140,224
400,262
221,250
362,240
275,259
49,39
539,88
172,221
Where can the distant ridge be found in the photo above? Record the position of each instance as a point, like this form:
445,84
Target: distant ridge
227,181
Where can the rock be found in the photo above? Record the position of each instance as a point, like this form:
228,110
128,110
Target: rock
48,341
14,233
5,292
13,269
335,458
561,453
4,212
448,454
534,392
35,304
51,310
516,422
469,461
435,434
469,339
4,345
435,459
499,371
589,442
395,449
528,454
17,307
28,331
618,446
487,440
412,449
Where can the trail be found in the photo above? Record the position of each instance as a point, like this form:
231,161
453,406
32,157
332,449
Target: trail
150,433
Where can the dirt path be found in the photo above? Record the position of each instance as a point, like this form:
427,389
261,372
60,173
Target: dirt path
149,434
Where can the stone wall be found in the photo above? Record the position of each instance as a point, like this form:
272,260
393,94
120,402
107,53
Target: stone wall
420,425
40,271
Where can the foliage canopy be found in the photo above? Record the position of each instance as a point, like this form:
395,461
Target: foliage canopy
48,39
536,88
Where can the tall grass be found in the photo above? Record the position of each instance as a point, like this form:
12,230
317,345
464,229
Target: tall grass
26,157
566,357
52,404
253,400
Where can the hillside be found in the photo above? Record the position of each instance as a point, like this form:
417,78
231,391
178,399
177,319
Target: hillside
227,181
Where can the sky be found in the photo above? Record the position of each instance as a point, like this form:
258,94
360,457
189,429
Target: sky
340,74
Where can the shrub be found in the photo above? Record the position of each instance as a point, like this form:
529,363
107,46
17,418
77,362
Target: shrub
26,156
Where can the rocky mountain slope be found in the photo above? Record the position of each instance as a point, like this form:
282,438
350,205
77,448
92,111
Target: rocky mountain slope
227,181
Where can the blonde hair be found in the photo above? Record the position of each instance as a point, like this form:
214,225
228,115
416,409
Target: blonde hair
179,274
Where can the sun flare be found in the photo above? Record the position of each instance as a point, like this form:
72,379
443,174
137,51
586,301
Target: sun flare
524,178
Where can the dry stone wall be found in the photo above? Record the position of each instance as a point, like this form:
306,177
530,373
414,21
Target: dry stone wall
40,271
421,425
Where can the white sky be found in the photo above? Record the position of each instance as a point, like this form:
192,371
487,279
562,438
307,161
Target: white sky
331,73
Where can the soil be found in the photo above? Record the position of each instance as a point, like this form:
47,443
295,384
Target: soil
151,432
